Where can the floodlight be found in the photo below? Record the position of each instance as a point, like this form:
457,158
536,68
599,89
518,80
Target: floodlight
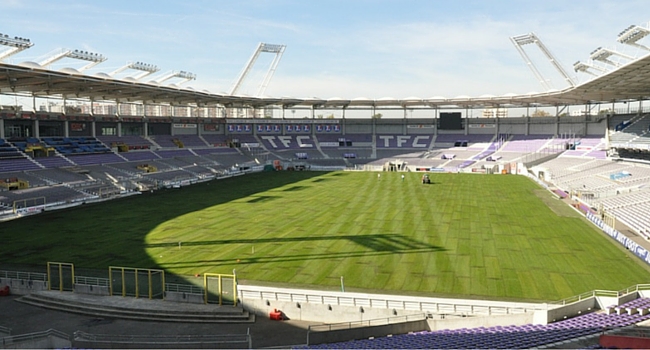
586,68
632,34
603,54
186,76
86,56
17,42
16,45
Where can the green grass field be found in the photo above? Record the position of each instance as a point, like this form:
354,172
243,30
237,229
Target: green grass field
482,236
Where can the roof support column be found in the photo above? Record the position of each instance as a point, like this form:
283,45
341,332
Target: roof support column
2,128
527,125
496,122
66,133
312,130
588,118
37,134
466,120
404,130
435,121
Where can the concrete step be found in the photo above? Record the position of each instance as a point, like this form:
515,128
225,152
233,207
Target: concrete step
134,309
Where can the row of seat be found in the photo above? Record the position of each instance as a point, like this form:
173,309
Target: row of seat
502,337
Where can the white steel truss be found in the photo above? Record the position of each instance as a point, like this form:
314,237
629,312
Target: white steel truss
531,38
278,50
93,58
145,69
15,44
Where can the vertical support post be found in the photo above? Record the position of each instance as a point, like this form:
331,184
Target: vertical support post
164,286
49,278
220,291
110,281
205,288
137,287
123,283
150,287
60,278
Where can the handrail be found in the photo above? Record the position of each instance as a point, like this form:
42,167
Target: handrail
183,288
35,335
29,276
92,281
161,338
366,323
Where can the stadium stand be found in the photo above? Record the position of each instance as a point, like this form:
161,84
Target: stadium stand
505,337
602,169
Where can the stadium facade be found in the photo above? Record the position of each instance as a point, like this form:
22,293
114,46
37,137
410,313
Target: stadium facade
110,137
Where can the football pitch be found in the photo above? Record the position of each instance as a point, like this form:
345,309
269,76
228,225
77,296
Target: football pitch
464,235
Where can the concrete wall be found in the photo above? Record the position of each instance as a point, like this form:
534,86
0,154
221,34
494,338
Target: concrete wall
542,129
479,321
390,129
566,311
21,287
93,290
365,332
321,312
510,128
597,128
40,342
87,344
180,297
186,131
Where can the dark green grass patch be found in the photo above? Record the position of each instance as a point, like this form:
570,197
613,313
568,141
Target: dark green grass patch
464,235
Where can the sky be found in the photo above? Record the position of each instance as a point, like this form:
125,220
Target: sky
334,48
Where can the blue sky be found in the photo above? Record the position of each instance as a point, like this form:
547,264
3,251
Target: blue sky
353,48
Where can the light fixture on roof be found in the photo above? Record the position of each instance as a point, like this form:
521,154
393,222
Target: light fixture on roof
587,68
16,45
603,54
145,68
93,58
185,76
632,34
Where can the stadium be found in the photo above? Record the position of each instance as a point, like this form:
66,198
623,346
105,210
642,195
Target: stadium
528,232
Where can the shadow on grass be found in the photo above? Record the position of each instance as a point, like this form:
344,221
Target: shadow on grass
298,257
114,232
376,242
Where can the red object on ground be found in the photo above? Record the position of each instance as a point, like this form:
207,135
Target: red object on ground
4,291
276,315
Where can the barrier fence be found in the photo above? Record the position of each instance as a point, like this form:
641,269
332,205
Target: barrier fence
21,275
215,341
366,323
407,303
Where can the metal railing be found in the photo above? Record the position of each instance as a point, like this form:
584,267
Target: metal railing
408,303
16,339
179,341
602,293
184,288
20,275
91,281
367,323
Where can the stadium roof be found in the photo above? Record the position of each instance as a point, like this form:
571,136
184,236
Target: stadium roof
629,82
